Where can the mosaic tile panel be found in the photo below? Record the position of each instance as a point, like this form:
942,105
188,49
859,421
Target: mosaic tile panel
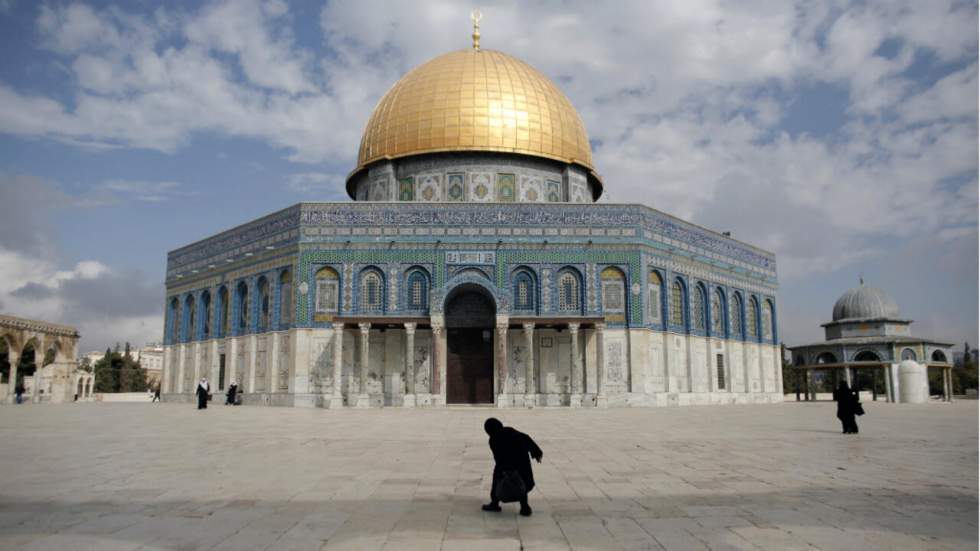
429,188
530,189
455,187
406,189
553,191
482,188
379,190
505,188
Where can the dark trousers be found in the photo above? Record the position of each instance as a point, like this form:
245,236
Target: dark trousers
493,490
848,424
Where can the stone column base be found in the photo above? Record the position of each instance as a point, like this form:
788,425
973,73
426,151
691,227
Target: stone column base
601,402
575,401
530,400
408,401
363,401
334,402
502,401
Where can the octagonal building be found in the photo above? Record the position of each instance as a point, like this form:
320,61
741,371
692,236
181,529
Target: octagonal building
473,266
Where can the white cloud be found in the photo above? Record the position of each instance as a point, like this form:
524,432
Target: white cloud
687,100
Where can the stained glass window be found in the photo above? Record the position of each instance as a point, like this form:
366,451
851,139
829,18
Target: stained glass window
613,290
327,290
285,299
417,291
264,305
698,308
736,315
751,317
717,319
653,297
767,320
568,292
371,292
677,304
206,320
243,315
523,292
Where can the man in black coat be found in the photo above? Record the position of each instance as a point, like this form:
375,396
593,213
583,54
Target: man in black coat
511,449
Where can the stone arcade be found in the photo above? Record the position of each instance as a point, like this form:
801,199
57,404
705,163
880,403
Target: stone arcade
473,267
53,374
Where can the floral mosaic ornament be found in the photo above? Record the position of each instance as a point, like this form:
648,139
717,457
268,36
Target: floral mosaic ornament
455,190
505,188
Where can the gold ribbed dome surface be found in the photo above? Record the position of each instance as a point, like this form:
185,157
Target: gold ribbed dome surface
475,100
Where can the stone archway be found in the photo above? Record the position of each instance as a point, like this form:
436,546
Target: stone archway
470,315
50,351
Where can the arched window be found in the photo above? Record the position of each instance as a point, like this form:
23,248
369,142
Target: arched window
224,312
767,320
418,290
265,306
569,290
327,290
243,310
826,358
372,292
909,354
735,318
285,300
190,317
613,290
677,304
698,310
654,300
717,313
523,291
751,318
867,356
206,312
938,356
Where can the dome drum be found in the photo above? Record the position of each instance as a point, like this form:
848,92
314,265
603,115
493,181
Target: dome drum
474,177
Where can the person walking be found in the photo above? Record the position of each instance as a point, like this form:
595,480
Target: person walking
230,395
511,449
202,393
156,394
19,392
847,408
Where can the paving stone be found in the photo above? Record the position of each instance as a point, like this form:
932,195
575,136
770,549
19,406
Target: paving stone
742,477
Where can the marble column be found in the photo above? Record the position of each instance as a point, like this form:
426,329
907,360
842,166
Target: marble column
947,384
575,400
39,353
530,380
600,353
337,397
500,358
847,377
439,369
409,398
14,359
363,400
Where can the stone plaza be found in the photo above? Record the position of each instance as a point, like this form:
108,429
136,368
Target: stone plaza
166,476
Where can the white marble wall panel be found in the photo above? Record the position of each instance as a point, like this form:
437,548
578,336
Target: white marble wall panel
261,363
423,362
654,366
678,363
617,360
752,362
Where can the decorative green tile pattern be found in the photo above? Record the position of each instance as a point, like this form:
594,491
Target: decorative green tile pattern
406,189
505,188
455,187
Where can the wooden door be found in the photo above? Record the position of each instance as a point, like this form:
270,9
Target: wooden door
469,366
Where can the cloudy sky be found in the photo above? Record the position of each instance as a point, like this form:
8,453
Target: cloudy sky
842,136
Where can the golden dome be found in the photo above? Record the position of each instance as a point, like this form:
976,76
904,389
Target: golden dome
475,100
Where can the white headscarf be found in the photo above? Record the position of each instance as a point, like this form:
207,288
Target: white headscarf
204,383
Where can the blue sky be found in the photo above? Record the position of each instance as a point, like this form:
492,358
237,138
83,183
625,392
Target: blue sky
842,136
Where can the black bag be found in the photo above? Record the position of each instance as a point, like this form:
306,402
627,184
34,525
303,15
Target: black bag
858,409
510,487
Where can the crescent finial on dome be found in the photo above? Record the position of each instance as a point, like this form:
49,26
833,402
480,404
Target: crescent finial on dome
476,16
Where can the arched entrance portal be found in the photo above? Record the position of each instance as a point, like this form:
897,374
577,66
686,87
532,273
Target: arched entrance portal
470,316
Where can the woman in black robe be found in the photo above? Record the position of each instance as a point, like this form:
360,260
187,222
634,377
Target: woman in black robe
846,408
232,391
202,394
511,449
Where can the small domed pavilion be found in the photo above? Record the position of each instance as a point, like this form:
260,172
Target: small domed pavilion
868,341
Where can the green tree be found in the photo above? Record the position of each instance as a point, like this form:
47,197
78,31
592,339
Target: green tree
106,379
965,376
